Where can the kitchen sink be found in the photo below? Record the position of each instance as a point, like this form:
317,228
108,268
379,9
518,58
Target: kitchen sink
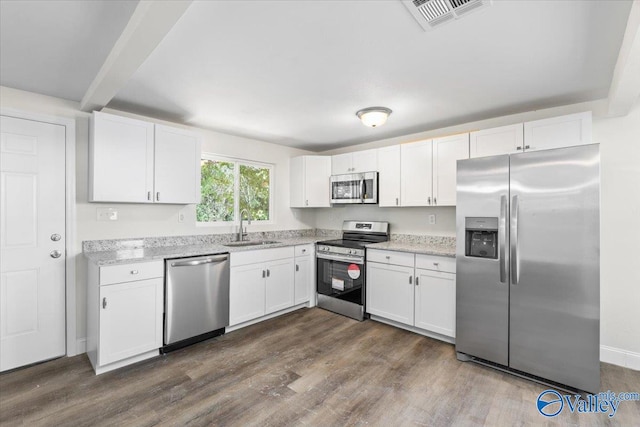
250,243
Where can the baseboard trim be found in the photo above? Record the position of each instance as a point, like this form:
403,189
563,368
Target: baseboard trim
617,356
81,346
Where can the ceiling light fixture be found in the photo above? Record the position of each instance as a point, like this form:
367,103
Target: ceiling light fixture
373,116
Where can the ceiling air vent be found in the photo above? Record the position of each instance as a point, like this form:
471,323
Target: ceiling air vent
432,13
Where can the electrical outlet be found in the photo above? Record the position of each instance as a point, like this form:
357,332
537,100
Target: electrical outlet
180,216
106,214
432,219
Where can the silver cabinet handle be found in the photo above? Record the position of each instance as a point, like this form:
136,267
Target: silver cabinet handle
436,264
417,279
387,257
306,202
526,147
104,302
148,195
56,237
518,148
515,273
304,250
134,271
435,202
268,273
55,254
429,199
297,267
502,236
410,279
209,260
264,274
396,201
158,196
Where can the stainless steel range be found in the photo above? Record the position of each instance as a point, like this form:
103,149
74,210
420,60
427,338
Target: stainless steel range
341,267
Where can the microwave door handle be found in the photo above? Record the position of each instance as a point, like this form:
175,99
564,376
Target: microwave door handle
362,190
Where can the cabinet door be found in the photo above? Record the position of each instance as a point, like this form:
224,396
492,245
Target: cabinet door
436,302
389,176
279,285
130,319
177,166
557,132
120,159
365,161
446,152
246,293
416,173
296,182
302,279
496,141
341,163
317,171
390,292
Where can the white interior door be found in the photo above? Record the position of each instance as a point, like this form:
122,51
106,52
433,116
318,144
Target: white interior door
32,242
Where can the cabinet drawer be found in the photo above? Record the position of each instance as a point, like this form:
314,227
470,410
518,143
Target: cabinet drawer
131,272
436,263
303,250
260,255
391,257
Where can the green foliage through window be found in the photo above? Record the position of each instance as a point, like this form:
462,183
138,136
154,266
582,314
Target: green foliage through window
220,201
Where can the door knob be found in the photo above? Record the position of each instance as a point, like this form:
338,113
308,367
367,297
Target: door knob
56,237
55,254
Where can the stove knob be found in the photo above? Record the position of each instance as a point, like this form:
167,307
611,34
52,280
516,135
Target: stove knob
350,251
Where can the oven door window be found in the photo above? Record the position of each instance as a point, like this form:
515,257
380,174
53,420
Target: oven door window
342,280
345,190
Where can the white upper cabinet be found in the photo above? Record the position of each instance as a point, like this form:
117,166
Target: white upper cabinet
492,142
416,173
557,132
359,161
309,182
446,153
120,159
177,166
389,176
133,161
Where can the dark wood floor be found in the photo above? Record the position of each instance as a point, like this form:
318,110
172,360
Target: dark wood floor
310,367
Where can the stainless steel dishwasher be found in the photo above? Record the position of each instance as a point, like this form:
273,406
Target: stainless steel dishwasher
196,299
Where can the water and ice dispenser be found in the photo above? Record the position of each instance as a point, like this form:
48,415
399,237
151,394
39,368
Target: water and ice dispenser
481,237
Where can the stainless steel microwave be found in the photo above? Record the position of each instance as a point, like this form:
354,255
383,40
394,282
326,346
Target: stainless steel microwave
355,188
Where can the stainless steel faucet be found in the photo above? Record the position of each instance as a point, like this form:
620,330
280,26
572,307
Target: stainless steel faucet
242,232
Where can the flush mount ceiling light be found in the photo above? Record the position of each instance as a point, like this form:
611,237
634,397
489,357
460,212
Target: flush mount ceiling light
373,116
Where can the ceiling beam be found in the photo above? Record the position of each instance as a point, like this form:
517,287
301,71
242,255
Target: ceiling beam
149,24
625,85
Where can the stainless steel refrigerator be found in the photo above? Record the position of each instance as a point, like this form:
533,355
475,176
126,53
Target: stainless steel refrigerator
528,264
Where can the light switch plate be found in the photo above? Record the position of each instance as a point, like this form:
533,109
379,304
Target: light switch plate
432,219
106,214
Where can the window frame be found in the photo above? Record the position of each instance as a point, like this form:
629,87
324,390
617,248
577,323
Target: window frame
237,162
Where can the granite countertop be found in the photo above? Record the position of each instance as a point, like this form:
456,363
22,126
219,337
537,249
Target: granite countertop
141,254
419,244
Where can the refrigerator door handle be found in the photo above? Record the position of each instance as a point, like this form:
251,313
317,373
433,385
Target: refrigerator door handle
515,271
502,236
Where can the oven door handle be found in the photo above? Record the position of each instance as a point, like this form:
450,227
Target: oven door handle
356,260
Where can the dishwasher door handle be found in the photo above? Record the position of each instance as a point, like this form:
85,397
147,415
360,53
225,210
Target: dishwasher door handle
200,261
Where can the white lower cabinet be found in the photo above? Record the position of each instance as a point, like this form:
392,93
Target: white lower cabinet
390,292
261,282
304,277
417,290
124,313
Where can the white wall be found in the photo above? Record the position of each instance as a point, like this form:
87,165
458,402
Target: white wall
619,140
144,220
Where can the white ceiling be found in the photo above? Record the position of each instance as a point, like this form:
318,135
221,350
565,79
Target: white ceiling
57,47
295,72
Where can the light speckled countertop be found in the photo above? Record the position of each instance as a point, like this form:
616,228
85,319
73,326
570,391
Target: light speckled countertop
124,256
418,248
123,251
